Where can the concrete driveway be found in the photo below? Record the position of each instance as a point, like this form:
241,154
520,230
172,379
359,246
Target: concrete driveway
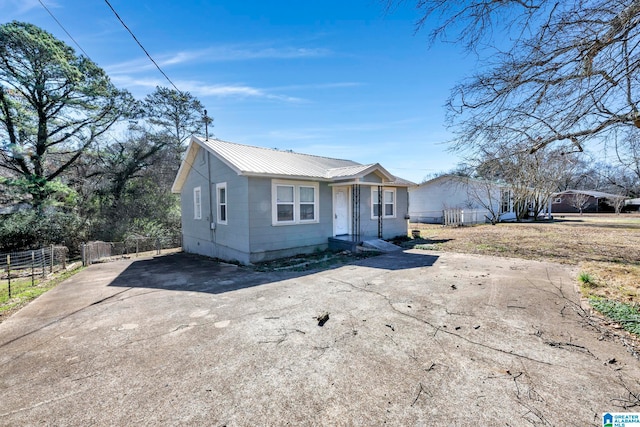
412,338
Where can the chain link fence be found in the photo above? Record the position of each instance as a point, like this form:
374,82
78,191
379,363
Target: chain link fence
23,268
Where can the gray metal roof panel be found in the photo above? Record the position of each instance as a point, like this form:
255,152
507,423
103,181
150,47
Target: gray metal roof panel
247,159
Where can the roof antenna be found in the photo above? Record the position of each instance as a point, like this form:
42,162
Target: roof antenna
206,119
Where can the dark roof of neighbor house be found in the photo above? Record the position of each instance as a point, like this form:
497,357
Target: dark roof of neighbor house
258,161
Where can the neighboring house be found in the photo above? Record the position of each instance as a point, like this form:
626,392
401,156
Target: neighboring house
479,200
632,204
252,204
569,201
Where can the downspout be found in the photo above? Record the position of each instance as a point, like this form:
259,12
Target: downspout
380,212
212,227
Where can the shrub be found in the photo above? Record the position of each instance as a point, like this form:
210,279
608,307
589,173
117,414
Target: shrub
626,314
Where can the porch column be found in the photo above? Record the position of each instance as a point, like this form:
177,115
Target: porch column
355,209
380,198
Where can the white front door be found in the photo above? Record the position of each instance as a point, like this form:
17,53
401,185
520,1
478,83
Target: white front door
340,210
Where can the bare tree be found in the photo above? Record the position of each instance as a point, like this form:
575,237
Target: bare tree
627,149
531,178
579,200
549,71
487,195
617,203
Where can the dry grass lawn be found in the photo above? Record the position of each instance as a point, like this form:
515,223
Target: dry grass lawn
606,247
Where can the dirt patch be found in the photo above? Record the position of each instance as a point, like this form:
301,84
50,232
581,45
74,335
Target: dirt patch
315,261
606,246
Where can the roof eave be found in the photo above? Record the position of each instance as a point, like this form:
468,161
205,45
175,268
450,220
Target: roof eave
185,166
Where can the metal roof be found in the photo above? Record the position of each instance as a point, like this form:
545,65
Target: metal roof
259,161
250,160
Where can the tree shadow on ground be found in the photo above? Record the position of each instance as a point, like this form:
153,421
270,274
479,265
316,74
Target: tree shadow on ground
187,272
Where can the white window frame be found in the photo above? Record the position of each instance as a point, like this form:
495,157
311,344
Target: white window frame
296,203
557,200
505,201
219,205
197,203
374,202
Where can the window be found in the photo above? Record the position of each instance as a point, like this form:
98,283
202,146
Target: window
389,203
197,203
505,201
307,203
285,203
221,190
388,206
557,200
294,203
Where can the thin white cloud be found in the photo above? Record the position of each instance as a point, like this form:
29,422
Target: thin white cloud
244,53
19,7
335,85
143,85
237,91
217,54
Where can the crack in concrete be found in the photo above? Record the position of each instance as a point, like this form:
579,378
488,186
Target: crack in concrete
436,329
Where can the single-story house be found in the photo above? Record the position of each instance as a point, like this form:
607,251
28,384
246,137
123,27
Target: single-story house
632,204
477,200
570,201
250,204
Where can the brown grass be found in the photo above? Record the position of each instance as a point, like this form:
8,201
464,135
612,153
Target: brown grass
607,247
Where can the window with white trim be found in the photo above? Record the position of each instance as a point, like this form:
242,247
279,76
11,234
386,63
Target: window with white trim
505,201
285,203
221,193
388,206
294,202
307,203
197,203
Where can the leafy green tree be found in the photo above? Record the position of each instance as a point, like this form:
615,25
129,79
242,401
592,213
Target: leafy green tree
53,106
173,113
137,168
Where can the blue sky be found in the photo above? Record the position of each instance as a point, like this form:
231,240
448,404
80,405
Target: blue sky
342,79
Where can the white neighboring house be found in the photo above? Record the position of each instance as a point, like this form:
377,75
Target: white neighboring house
475,201
632,204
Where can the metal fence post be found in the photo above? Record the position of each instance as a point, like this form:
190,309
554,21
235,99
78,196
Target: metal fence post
33,262
51,263
9,273
42,262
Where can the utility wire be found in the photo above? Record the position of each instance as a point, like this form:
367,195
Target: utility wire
64,29
140,44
